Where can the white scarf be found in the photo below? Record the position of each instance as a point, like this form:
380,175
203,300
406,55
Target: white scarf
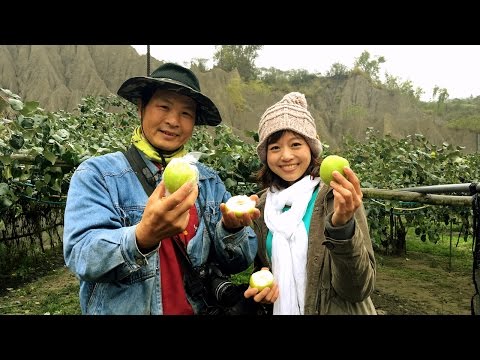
289,243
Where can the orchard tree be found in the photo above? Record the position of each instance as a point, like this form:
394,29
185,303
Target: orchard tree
200,64
443,95
337,70
405,87
240,57
370,67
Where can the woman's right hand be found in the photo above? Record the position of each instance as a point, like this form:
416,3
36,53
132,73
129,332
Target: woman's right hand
266,296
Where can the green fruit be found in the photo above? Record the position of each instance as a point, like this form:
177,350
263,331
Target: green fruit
240,205
178,172
331,163
261,279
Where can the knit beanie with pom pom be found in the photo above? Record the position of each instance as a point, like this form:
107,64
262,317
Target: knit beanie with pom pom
290,113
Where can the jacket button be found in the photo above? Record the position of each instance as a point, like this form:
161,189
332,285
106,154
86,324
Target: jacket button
329,245
139,261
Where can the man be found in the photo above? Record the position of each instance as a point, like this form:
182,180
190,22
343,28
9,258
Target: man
122,244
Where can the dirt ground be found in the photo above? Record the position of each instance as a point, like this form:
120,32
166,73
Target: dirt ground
417,284
421,284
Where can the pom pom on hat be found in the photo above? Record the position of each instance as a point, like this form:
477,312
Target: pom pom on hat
290,113
295,98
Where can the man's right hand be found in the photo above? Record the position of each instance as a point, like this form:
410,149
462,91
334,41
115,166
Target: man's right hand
165,216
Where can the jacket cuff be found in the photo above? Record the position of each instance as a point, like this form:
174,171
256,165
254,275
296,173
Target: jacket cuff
343,232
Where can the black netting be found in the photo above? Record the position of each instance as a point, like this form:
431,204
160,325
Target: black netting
28,238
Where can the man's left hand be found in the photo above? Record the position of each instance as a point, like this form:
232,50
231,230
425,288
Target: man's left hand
231,221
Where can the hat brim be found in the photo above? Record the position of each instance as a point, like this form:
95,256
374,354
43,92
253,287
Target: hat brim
207,113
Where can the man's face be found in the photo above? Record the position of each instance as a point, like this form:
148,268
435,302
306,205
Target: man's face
168,119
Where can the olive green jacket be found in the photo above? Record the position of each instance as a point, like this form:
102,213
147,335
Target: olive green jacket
340,273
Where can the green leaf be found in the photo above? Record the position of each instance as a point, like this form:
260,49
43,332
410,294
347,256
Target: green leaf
4,189
50,156
29,191
35,151
29,107
5,202
16,141
27,123
7,91
7,172
15,104
56,186
57,138
39,184
26,173
6,160
29,134
64,134
229,183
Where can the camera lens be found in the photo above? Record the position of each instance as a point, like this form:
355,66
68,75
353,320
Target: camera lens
225,292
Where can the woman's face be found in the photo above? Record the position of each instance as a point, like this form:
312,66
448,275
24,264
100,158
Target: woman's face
168,119
289,156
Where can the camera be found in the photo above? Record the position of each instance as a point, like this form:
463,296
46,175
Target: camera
223,297
219,294
218,288
224,291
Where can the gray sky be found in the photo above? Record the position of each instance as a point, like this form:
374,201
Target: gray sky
454,67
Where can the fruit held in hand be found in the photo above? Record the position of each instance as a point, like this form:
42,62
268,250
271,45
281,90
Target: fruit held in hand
178,172
240,205
261,279
331,163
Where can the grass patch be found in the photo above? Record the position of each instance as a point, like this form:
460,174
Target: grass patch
29,267
53,294
445,254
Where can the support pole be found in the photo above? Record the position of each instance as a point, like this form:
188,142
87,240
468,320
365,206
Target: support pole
148,60
409,196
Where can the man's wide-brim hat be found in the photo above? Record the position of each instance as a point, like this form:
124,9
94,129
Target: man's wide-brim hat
176,78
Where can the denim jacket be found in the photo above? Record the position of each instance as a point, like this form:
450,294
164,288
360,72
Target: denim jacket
105,202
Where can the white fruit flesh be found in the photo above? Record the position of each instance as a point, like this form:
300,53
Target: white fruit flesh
261,279
240,204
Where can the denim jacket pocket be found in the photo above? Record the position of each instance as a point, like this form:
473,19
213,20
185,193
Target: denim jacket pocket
111,298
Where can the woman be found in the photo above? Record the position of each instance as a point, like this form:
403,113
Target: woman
314,236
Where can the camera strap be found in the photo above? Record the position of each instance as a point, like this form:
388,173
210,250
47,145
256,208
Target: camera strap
196,286
144,175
